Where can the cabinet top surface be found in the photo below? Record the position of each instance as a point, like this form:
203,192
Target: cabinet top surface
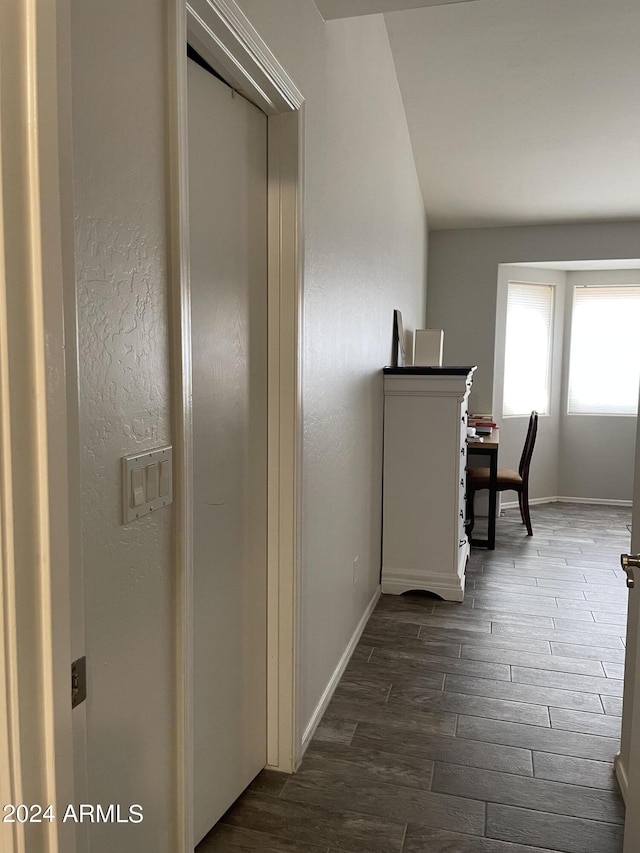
418,370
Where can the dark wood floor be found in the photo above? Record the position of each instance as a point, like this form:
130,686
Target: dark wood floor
483,727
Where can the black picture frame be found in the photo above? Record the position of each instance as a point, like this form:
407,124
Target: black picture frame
398,353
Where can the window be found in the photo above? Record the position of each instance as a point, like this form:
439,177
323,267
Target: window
605,358
528,348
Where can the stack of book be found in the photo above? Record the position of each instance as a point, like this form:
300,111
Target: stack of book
483,423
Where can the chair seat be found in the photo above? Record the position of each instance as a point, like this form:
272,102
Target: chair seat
478,478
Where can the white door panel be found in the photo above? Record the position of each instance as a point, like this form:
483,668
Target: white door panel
227,200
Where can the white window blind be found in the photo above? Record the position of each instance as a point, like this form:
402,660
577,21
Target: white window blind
605,356
528,348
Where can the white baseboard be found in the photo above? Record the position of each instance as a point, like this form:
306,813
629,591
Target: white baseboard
621,776
532,501
337,675
602,501
567,500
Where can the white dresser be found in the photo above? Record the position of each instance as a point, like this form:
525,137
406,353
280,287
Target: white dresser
424,544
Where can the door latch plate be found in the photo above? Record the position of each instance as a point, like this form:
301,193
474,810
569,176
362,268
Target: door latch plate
78,681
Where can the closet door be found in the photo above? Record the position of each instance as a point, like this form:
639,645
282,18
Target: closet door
227,213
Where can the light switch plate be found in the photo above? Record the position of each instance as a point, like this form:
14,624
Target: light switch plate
140,462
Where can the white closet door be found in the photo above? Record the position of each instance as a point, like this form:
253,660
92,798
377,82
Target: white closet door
228,206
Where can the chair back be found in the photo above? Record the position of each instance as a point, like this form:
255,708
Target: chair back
527,450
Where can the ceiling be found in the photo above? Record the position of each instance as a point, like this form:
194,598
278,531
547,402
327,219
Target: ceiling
520,111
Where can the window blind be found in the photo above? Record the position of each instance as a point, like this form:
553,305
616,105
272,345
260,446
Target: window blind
605,356
528,348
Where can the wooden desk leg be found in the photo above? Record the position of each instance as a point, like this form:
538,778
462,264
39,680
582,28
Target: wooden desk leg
493,493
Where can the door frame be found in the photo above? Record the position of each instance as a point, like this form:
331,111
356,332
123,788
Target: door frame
225,38
36,755
627,761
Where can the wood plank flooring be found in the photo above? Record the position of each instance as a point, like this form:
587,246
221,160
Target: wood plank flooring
483,727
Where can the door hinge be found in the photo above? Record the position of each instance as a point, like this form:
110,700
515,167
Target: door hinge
78,681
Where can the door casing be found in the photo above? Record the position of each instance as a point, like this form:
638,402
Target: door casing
36,247
627,762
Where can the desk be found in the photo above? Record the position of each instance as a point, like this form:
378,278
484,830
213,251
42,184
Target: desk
488,447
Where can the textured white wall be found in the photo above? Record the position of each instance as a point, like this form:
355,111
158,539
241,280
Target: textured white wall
365,254
119,128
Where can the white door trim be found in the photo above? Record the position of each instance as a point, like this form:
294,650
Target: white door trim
225,38
35,711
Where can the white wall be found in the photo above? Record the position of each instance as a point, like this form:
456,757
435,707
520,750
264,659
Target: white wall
462,299
119,130
607,442
365,254
513,430
576,456
461,295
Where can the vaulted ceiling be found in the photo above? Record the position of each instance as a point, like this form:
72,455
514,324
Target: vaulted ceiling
520,111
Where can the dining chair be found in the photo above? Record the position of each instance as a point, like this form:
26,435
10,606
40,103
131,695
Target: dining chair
507,480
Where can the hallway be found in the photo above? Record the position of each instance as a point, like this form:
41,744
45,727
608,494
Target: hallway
483,727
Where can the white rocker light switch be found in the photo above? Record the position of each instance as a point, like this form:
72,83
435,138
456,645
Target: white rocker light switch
146,483
137,487
152,481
